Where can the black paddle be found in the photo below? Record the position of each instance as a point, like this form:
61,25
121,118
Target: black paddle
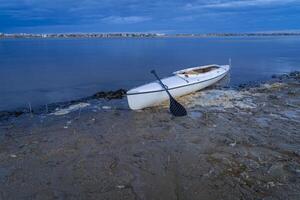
175,108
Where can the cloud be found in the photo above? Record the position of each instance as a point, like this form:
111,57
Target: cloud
180,15
185,18
237,4
125,20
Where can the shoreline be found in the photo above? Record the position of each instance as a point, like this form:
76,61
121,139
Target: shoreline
111,95
48,108
234,144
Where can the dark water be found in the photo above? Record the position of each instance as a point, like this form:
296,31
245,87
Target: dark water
40,71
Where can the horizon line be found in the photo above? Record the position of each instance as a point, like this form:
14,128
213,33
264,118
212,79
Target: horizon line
159,33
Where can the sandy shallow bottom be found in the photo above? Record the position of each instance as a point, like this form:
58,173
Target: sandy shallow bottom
234,144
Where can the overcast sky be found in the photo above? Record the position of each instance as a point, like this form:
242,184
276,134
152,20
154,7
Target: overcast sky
165,16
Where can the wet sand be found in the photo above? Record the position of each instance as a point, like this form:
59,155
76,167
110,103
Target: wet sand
234,144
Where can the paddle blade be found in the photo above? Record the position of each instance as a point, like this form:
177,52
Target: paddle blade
176,108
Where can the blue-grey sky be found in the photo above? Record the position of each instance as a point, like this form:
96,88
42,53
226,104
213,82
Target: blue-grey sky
165,16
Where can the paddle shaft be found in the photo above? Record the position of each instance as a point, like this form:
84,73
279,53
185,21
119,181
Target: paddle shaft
161,83
175,108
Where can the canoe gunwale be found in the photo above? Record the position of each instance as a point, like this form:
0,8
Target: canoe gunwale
154,91
195,68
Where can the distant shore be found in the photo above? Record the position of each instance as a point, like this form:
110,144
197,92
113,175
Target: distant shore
141,35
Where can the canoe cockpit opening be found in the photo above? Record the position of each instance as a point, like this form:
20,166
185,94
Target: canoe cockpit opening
197,71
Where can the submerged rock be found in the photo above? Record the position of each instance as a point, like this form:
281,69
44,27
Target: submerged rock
6,114
295,75
118,94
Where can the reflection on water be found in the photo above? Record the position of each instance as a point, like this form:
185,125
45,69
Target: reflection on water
43,71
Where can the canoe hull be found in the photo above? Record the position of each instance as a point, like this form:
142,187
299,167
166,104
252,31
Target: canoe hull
148,99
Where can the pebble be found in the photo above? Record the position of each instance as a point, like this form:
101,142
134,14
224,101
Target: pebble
120,186
232,144
271,184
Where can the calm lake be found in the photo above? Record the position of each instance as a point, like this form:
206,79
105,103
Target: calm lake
40,71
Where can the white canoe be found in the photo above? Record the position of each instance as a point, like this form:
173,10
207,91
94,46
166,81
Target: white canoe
181,83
